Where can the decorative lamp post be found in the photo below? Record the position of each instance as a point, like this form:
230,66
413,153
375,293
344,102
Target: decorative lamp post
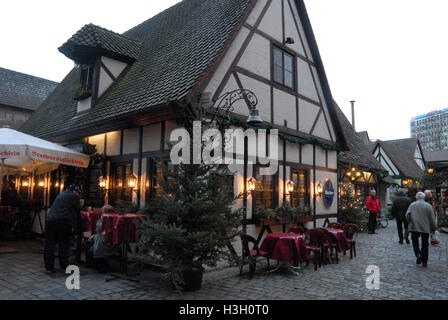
222,116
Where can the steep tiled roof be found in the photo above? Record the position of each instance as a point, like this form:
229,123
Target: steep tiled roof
406,144
359,153
402,159
177,48
99,39
436,156
22,90
364,136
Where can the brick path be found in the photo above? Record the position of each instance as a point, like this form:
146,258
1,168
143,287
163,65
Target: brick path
22,277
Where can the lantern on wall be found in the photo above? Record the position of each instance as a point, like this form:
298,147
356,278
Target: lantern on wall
132,182
431,170
102,182
251,182
290,186
41,183
319,188
25,183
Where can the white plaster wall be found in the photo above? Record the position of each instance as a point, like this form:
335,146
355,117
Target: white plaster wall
115,67
152,137
321,129
292,152
388,164
320,157
263,93
240,107
305,81
292,31
97,141
302,33
130,141
257,56
169,127
307,154
104,83
271,23
113,143
285,109
84,104
332,159
307,115
324,103
256,11
227,61
321,177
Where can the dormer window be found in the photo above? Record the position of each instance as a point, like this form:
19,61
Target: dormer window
101,55
85,87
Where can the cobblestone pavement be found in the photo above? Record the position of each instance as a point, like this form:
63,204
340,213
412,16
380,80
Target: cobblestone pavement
22,277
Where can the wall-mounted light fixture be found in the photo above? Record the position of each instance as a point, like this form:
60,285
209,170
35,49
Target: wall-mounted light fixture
251,182
290,187
431,170
319,188
288,40
132,182
102,182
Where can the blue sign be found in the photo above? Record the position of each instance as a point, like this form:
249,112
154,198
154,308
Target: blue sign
328,195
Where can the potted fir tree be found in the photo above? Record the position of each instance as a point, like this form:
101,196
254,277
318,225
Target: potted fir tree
191,225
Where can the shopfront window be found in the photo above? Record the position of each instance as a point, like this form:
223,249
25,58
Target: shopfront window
299,197
119,175
264,193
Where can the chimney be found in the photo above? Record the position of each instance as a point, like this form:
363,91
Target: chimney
353,115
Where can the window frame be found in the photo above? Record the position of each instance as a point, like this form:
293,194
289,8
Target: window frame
274,198
283,69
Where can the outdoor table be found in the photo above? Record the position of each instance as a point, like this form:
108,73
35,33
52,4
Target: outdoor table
121,229
341,238
92,218
285,247
6,213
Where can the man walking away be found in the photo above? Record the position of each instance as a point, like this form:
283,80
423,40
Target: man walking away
64,216
374,207
421,222
429,199
400,206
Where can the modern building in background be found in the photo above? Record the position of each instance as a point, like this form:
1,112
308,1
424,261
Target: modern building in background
431,129
20,95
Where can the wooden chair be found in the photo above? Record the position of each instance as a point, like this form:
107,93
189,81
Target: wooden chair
252,254
335,225
349,230
314,244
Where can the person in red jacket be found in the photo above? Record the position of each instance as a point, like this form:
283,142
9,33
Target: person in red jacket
374,207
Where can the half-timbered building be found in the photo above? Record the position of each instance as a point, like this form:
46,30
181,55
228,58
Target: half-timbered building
116,98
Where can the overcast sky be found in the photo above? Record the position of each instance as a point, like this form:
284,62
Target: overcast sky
391,56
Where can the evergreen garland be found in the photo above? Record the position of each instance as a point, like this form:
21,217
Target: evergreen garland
282,136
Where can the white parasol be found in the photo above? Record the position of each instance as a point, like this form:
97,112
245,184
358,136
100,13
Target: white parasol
24,152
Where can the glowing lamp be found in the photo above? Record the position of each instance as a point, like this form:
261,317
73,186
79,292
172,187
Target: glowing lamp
102,182
290,186
132,181
319,188
430,170
251,184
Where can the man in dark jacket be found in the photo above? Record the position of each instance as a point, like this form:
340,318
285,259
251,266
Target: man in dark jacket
64,216
400,206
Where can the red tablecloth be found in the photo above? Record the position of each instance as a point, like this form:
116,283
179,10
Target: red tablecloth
284,246
6,213
118,228
92,218
340,236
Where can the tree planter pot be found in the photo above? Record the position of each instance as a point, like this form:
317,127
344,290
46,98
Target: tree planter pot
192,280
